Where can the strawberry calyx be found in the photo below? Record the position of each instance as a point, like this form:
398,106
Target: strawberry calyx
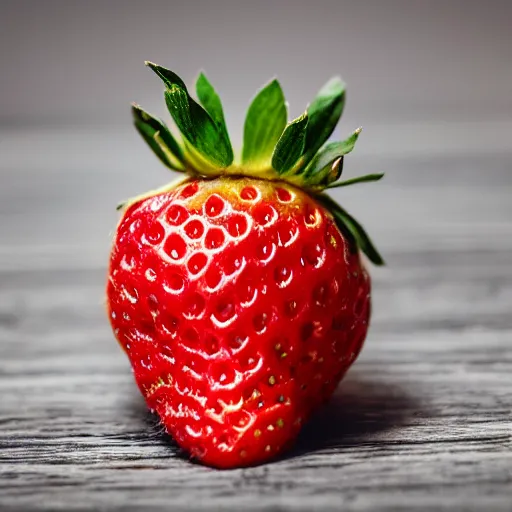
296,152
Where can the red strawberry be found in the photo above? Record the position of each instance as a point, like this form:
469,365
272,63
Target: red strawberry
239,295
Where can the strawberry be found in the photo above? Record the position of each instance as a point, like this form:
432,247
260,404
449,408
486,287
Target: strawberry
238,293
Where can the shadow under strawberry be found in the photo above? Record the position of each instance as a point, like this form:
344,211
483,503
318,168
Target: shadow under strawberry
360,409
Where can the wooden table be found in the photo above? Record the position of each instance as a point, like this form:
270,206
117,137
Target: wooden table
422,422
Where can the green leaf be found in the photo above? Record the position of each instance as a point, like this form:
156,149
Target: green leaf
324,113
351,227
330,153
290,146
264,124
195,124
159,138
211,102
358,179
328,174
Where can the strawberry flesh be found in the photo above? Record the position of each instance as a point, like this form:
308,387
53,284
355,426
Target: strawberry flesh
240,306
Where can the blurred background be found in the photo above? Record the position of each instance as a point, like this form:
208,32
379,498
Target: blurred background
430,82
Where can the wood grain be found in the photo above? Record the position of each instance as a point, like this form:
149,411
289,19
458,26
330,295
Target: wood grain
422,422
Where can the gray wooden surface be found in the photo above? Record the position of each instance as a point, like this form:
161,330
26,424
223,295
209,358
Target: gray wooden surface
422,422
